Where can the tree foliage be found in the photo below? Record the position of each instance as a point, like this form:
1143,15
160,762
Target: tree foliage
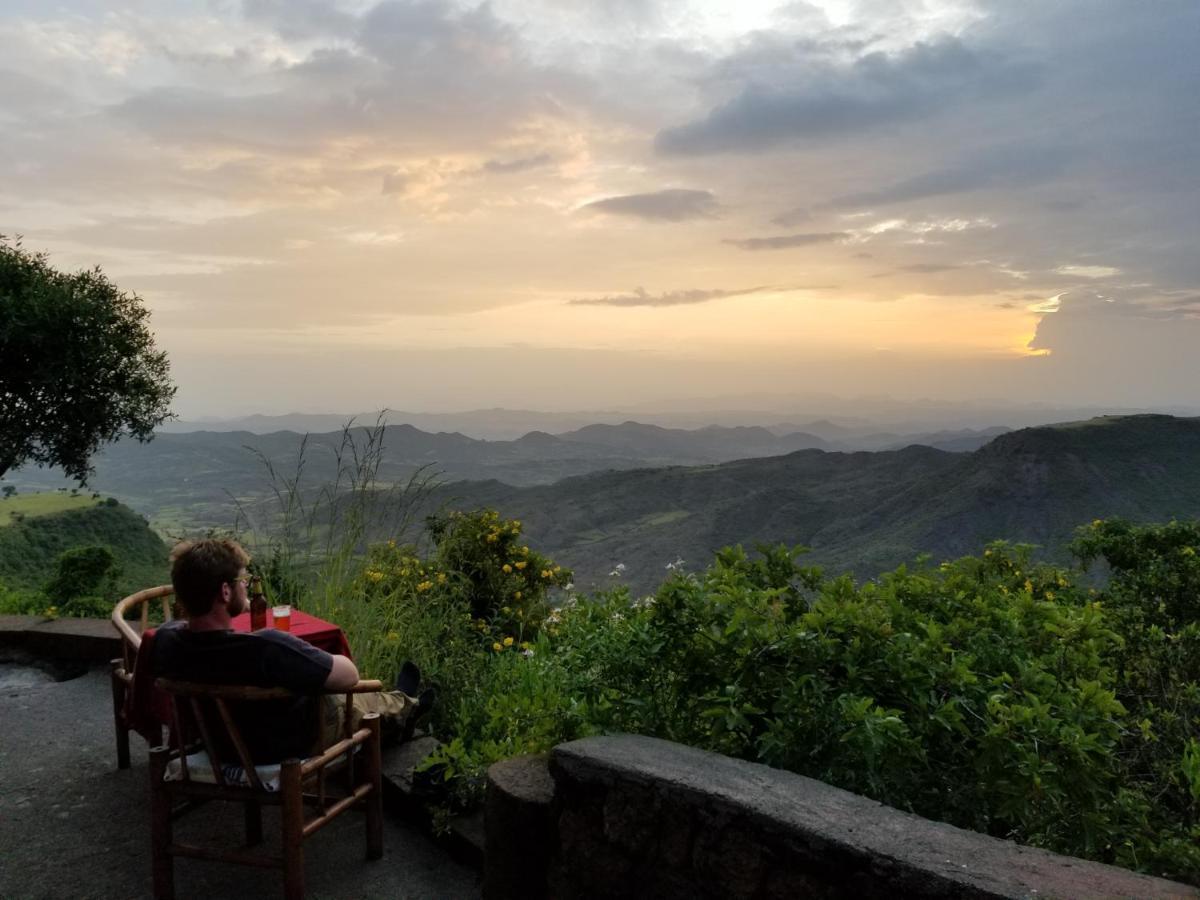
80,367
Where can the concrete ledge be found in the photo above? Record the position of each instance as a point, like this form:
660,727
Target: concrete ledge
86,640
518,828
639,817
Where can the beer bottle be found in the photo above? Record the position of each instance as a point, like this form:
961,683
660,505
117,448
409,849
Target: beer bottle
258,604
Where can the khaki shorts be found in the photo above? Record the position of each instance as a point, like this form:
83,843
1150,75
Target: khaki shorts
394,708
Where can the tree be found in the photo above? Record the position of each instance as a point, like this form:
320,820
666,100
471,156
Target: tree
80,368
83,572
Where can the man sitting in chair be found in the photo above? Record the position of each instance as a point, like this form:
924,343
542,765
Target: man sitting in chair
211,584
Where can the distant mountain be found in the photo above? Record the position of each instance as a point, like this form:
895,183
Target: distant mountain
197,479
863,512
962,441
644,495
711,444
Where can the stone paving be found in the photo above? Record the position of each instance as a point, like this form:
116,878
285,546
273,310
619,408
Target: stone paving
73,826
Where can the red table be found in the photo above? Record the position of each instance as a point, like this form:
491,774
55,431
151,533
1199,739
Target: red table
321,634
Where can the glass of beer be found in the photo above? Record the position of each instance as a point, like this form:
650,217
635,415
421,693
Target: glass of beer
282,615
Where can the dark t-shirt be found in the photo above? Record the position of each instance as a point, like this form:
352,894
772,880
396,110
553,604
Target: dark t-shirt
274,730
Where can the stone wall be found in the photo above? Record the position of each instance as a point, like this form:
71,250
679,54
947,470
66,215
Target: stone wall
629,816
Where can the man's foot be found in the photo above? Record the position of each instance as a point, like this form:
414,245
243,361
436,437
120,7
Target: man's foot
409,679
424,704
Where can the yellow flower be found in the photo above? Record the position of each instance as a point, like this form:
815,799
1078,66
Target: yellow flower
508,642
987,552
517,595
524,645
1029,585
441,577
515,523
1188,551
492,538
393,636
392,544
506,568
524,550
424,585
375,576
496,646
546,573
522,564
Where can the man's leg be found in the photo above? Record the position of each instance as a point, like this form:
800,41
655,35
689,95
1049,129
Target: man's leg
394,708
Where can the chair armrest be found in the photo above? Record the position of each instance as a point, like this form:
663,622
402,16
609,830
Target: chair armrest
314,763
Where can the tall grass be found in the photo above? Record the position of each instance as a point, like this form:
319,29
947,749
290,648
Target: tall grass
309,541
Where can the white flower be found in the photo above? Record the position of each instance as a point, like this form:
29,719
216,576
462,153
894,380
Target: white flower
618,570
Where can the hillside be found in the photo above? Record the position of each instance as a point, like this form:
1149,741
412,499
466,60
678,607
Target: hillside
863,512
29,548
187,481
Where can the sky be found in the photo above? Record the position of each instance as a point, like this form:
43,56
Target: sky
558,204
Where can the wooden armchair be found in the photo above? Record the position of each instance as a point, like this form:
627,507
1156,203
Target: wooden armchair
202,720
122,667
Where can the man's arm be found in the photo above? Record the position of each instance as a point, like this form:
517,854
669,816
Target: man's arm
343,674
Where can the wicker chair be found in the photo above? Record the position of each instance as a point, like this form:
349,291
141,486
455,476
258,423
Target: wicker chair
202,721
122,668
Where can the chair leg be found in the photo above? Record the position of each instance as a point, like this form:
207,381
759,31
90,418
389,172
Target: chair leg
118,694
160,827
292,797
254,834
374,800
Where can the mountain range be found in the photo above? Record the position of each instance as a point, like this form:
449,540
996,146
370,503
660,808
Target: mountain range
862,512
197,478
643,496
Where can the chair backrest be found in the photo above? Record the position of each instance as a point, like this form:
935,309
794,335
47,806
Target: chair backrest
202,716
140,602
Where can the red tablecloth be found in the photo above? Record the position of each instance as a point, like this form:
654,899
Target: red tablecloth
317,632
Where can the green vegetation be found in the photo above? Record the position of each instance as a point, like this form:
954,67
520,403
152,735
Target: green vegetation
80,366
20,507
74,555
992,691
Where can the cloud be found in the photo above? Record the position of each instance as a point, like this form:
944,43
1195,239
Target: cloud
522,164
671,205
928,268
1005,167
786,241
792,218
1089,272
1123,349
830,99
639,297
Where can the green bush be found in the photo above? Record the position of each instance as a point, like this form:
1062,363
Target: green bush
992,692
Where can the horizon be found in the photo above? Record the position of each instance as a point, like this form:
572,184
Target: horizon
451,206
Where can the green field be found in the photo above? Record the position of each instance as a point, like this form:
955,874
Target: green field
42,504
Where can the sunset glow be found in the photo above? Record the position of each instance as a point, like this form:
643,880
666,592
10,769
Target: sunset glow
712,197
